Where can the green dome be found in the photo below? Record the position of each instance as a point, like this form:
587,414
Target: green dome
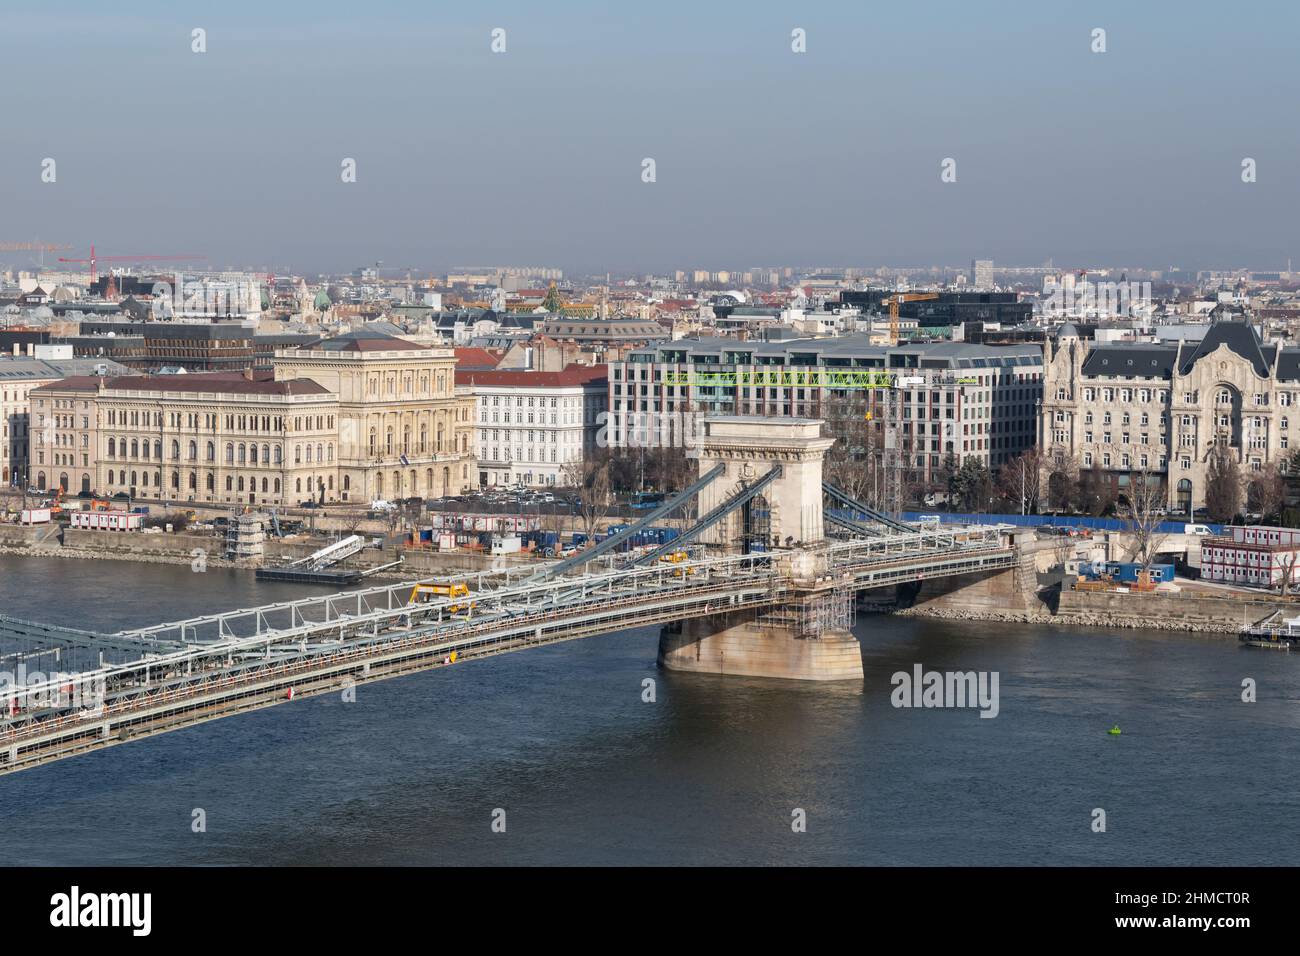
322,301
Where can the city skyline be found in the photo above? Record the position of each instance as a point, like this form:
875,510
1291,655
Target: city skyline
535,154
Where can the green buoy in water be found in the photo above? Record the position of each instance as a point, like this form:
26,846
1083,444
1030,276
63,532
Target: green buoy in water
1115,731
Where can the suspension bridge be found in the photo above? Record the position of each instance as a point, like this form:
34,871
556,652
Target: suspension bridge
98,690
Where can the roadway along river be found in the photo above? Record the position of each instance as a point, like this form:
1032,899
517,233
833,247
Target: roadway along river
559,737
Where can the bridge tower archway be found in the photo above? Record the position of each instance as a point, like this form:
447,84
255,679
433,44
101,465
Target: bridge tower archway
749,447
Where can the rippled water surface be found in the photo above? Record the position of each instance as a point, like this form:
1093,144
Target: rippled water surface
587,773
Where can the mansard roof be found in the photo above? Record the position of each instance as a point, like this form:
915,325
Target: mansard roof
1238,337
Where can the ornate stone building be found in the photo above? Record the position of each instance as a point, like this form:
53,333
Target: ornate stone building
404,428
1126,408
223,437
362,416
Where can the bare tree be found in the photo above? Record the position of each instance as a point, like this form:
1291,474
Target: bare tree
1020,480
1266,493
1223,485
1288,562
1143,515
851,463
352,519
1062,481
588,478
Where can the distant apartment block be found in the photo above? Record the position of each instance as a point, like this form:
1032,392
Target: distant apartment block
946,398
948,310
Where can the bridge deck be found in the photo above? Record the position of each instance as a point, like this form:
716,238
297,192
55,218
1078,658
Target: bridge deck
252,658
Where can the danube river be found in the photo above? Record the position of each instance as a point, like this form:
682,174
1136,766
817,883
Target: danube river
709,773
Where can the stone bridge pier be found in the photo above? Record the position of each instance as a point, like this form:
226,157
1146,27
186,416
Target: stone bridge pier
808,636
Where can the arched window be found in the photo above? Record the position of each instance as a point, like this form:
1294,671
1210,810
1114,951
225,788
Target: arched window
230,455
264,485
230,483
194,450
40,480
112,448
240,485
157,450
347,482
176,481
63,481
194,482
266,455
309,454
252,454
297,454
330,450
212,482
243,453
279,455
135,448
277,486
212,451
176,449
298,486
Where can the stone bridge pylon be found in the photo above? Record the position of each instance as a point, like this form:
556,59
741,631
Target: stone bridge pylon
808,638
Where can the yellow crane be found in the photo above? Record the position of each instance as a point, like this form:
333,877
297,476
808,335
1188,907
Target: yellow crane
894,301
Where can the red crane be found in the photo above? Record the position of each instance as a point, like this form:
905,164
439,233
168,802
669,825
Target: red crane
95,259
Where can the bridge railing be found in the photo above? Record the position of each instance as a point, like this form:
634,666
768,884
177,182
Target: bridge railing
333,618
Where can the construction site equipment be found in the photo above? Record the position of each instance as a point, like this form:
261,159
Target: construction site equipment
93,259
894,302
422,593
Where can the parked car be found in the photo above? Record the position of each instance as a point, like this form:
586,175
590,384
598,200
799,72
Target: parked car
308,504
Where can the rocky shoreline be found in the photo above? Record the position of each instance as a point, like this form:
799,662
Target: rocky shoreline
1100,621
83,554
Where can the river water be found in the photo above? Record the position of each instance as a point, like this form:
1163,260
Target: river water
710,773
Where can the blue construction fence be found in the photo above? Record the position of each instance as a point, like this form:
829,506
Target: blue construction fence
1055,521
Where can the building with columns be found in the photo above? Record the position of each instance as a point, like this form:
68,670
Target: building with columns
362,416
1128,408
227,437
404,430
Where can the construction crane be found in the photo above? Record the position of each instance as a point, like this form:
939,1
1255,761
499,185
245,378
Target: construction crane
34,246
894,301
93,260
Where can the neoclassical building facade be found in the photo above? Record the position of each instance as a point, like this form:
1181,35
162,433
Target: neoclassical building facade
404,430
215,438
358,417
1163,409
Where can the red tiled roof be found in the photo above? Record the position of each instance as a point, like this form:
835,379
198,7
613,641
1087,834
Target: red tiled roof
572,375
474,358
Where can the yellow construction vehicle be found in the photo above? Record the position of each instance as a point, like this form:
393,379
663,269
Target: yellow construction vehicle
894,301
678,557
423,593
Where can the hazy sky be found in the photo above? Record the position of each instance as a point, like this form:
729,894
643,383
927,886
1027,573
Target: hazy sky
763,156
